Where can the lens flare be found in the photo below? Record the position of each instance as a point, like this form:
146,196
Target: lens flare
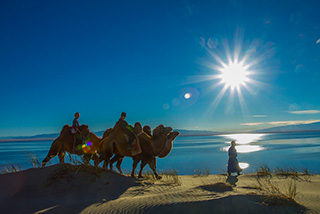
187,96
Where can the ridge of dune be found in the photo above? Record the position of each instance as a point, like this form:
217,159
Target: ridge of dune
66,188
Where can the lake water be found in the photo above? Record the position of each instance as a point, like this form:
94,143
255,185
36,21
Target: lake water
300,150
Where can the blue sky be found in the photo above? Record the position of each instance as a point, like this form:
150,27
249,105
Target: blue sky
142,57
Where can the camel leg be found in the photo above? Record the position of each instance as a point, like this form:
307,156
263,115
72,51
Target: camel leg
119,165
86,158
142,165
134,165
105,165
116,158
107,153
48,158
106,161
95,158
98,160
61,156
153,165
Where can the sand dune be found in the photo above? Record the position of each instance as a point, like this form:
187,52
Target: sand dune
66,188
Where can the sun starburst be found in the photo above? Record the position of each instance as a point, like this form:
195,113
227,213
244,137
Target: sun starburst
234,75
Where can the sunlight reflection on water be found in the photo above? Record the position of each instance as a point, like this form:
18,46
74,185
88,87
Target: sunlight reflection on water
244,165
246,148
244,138
243,141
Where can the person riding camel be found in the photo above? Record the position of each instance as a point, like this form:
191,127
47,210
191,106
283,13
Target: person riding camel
76,133
127,129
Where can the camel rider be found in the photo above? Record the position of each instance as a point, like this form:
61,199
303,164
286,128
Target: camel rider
76,133
127,129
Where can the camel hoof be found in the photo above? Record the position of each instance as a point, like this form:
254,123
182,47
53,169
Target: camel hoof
132,175
140,176
158,177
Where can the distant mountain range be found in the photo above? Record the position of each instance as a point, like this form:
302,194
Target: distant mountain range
293,128
183,132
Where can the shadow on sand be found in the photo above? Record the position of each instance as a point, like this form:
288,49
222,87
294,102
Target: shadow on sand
232,180
235,204
61,188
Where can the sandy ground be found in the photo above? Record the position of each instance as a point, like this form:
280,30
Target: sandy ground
64,188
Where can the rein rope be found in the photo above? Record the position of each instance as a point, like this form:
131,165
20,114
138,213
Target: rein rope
140,133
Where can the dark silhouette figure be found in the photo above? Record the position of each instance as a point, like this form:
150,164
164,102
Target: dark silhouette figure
233,165
78,138
127,129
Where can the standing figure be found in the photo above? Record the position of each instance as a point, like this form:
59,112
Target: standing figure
76,133
127,129
233,165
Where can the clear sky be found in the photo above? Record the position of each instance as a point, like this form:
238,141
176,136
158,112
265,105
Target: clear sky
160,62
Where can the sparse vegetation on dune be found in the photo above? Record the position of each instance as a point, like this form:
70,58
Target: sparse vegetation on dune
277,195
169,176
10,168
263,170
14,168
34,160
288,171
201,172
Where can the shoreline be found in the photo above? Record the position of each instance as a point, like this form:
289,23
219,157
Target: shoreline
31,138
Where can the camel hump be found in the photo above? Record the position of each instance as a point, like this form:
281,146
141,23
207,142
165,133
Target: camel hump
137,128
65,129
107,133
84,126
159,129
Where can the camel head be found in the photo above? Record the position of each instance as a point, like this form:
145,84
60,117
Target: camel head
170,137
161,131
165,137
168,130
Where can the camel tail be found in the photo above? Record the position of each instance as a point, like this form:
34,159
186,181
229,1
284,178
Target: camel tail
52,153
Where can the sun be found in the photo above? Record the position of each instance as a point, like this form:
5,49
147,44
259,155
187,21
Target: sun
234,75
233,72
